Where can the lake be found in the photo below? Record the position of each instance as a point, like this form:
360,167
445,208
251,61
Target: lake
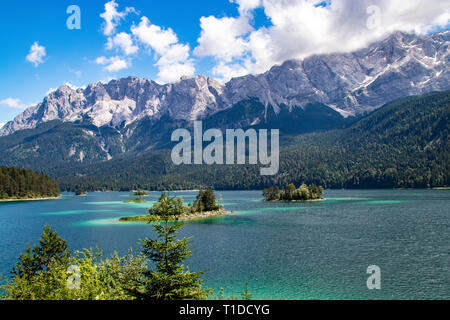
316,250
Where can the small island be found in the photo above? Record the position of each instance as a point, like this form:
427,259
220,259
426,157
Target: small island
18,184
204,206
80,192
291,193
138,194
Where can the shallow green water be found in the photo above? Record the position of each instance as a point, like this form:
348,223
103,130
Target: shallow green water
316,250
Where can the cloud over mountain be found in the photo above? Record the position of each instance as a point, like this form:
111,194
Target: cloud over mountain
300,28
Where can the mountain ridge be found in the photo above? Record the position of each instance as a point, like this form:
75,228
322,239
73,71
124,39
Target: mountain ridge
130,116
351,83
404,144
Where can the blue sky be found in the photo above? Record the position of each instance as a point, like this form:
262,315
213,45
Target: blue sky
163,40
70,52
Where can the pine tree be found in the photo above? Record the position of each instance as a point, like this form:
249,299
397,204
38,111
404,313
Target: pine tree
38,258
170,281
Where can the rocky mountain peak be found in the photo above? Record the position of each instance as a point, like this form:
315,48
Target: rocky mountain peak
351,83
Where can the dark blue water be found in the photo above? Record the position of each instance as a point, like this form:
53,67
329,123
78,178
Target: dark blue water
317,250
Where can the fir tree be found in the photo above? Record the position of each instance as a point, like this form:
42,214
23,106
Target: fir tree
38,258
170,281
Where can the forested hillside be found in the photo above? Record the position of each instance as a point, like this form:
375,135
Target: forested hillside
17,183
405,144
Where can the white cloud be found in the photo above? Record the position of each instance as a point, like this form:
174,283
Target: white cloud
300,28
247,5
2,124
173,57
113,17
124,42
36,55
154,36
174,71
13,103
113,64
222,37
230,70
101,60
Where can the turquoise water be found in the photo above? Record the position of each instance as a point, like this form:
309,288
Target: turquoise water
316,250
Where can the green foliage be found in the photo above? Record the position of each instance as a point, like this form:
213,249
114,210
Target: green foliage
134,219
108,279
167,209
291,193
271,194
315,192
289,190
205,201
80,192
170,281
49,272
38,259
18,183
42,273
140,193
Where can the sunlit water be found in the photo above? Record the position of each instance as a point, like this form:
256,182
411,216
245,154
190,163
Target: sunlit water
316,250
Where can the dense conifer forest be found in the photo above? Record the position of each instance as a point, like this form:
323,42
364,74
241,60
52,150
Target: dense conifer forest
18,183
405,144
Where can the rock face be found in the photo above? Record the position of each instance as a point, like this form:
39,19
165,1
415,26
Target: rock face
401,65
122,102
352,83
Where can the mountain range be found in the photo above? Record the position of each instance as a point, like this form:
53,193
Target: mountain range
404,144
131,116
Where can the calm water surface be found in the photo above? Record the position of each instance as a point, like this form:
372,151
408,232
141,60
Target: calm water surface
317,250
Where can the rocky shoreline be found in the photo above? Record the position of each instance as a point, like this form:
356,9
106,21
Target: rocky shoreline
29,199
185,217
205,215
289,201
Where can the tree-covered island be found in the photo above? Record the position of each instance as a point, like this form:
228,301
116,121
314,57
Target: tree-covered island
205,206
139,194
291,193
80,192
